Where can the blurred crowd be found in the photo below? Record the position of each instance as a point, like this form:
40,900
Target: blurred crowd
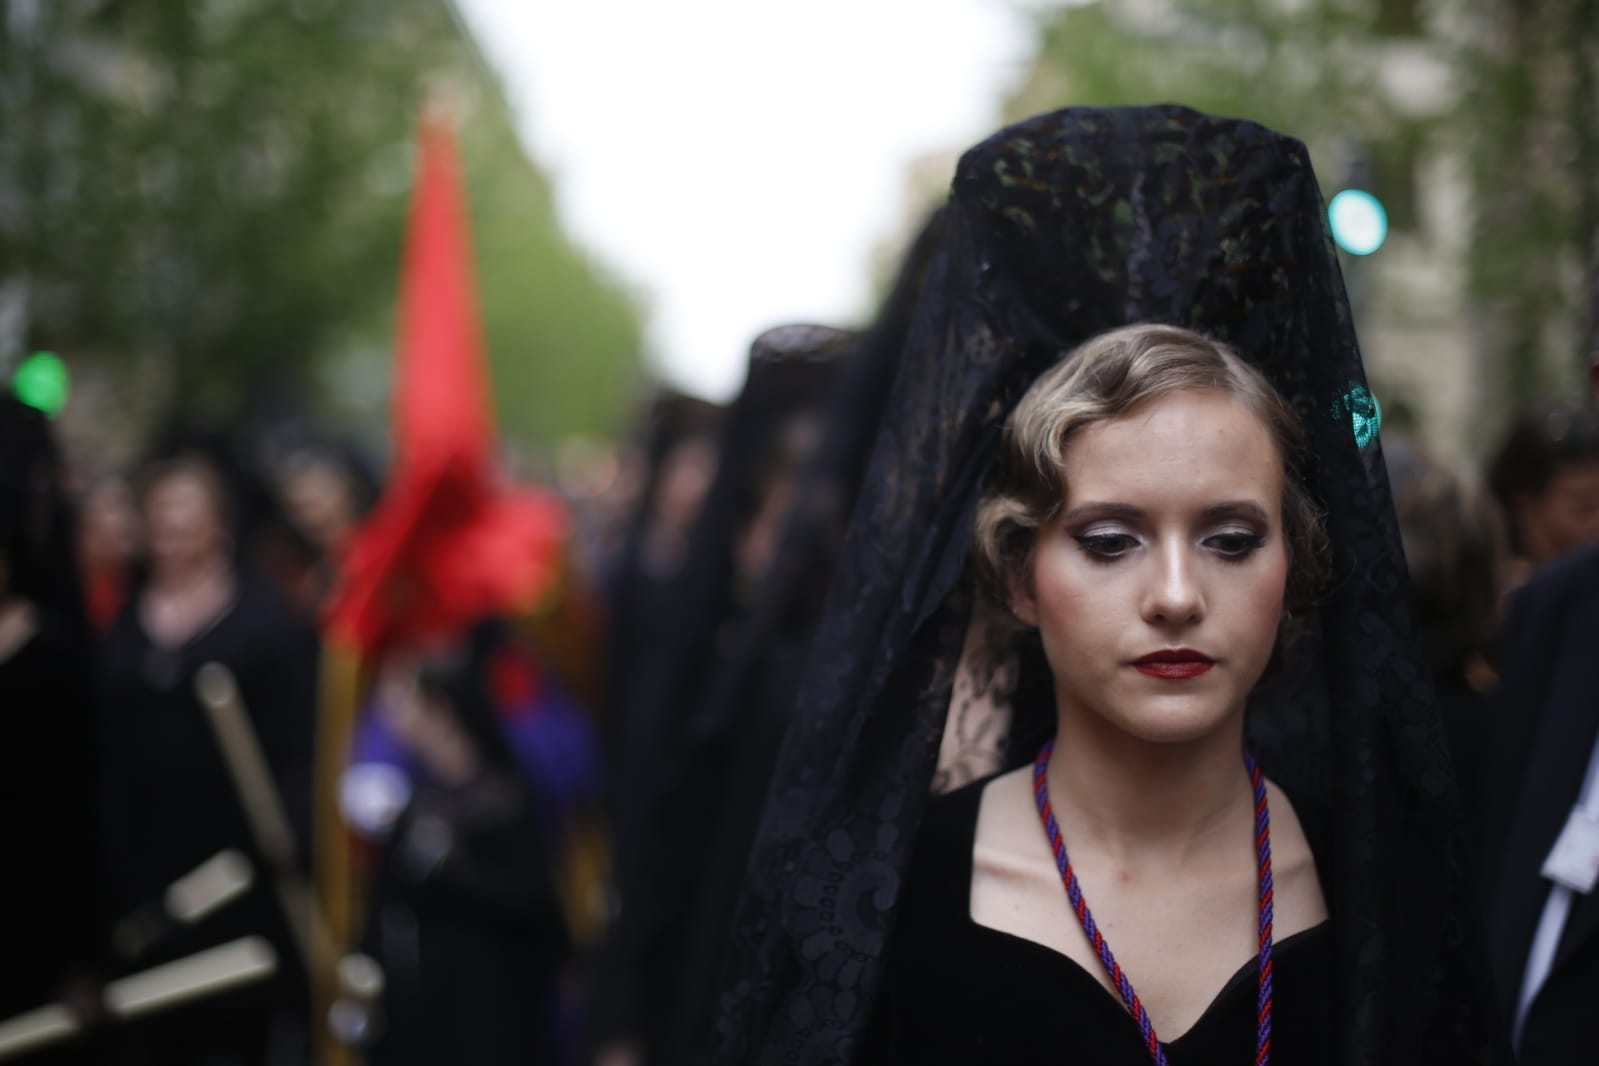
385,813
546,832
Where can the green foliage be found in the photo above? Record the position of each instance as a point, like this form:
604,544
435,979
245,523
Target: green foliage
1519,104
563,340
216,192
1534,107
1307,69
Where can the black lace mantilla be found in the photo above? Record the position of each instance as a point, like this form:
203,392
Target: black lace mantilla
1058,229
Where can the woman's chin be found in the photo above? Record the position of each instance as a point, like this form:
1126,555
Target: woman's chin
1177,722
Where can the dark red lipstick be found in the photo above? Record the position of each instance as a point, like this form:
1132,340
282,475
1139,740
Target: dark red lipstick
1174,664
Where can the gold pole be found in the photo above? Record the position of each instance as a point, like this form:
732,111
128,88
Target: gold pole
333,866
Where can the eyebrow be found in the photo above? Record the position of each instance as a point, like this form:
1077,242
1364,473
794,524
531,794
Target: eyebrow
1104,509
1095,509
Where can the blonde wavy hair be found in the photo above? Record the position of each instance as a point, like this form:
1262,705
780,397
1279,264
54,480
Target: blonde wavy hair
1108,377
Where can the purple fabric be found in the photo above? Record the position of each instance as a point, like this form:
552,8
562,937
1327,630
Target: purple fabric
550,739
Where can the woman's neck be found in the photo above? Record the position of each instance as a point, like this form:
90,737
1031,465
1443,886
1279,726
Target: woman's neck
1141,801
181,601
19,623
191,575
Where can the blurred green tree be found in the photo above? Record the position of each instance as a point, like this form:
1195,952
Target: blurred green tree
209,197
1533,107
1502,94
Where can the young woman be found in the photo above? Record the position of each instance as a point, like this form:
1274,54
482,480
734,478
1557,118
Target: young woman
1155,595
1149,524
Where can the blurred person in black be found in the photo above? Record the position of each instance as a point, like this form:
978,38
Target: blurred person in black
1546,478
169,801
766,439
679,460
48,923
464,916
323,493
730,744
108,544
671,469
1454,544
326,492
1541,843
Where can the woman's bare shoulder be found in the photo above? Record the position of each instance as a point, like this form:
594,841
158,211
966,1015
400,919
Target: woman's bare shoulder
1298,902
1006,798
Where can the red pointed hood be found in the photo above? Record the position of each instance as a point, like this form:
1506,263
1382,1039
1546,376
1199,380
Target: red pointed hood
448,543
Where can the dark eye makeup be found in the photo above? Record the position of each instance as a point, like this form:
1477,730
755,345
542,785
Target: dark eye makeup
1106,546
1236,544
1232,545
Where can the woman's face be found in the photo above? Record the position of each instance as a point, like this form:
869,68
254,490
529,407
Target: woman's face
1565,516
108,529
182,523
1159,588
320,501
686,475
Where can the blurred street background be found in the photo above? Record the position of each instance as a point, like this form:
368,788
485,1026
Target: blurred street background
200,203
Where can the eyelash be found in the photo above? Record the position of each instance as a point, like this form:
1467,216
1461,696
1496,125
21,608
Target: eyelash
1241,545
1100,546
1233,547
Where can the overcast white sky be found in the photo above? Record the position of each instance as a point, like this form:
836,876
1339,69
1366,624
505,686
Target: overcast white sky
738,162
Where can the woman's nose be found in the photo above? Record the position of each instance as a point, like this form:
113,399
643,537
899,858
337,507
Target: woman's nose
1173,595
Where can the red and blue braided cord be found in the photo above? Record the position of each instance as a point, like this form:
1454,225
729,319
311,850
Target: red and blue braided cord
1263,872
1118,977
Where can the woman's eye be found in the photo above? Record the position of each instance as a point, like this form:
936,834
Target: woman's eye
1235,545
1107,545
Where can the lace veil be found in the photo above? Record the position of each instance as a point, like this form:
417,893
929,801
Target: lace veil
1057,229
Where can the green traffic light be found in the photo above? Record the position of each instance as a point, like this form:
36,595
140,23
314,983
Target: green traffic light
41,381
1358,221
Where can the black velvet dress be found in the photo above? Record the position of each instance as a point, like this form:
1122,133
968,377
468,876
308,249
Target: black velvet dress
959,992
169,805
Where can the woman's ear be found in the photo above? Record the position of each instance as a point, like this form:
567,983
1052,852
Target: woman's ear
1019,588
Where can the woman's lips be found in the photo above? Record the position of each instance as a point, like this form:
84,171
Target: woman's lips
1180,664
1175,671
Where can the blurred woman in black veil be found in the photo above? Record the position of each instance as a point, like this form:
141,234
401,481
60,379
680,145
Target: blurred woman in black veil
766,437
677,453
1058,230
1456,555
679,459
731,741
